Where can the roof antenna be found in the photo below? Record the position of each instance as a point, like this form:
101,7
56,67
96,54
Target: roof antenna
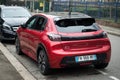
69,14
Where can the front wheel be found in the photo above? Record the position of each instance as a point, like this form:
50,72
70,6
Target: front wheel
18,48
101,65
43,63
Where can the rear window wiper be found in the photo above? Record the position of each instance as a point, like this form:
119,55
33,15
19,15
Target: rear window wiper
88,30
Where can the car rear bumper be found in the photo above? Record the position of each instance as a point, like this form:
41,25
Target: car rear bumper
61,58
70,61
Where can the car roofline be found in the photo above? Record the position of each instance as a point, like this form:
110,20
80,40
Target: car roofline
64,15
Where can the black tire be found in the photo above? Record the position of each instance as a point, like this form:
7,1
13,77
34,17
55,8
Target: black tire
43,63
17,45
101,65
1,36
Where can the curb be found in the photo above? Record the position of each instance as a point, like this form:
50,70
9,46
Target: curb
17,65
112,33
111,30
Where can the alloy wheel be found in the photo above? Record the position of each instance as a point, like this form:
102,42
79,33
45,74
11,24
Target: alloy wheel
42,62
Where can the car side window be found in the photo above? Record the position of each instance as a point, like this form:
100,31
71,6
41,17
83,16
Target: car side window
31,23
40,24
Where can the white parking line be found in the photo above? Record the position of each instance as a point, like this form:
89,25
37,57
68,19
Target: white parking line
114,78
18,66
106,74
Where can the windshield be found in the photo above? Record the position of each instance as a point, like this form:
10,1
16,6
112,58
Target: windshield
15,13
76,25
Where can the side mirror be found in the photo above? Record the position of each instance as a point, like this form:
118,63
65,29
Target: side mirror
23,26
1,21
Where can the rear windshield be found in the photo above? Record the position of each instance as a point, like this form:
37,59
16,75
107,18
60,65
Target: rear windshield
76,25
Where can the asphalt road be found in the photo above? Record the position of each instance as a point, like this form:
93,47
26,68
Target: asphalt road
112,72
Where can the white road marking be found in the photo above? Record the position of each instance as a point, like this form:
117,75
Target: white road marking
114,78
18,66
106,74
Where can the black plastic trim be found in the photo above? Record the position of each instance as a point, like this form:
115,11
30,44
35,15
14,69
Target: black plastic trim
71,60
68,38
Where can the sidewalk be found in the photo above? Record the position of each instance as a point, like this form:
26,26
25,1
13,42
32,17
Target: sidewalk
7,71
11,68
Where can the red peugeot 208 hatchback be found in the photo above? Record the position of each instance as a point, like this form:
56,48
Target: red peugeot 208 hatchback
62,41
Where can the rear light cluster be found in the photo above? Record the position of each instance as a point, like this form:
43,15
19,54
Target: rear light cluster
57,37
54,37
104,35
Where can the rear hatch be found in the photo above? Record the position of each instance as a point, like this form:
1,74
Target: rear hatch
80,34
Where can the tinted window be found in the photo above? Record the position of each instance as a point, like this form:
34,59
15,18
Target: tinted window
40,23
76,25
31,22
15,12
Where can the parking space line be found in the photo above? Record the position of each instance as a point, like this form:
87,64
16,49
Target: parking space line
114,78
106,74
17,65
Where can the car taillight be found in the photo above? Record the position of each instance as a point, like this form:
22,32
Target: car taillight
104,35
54,37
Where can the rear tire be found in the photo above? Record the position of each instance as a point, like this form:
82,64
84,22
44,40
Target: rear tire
18,48
43,63
1,36
101,65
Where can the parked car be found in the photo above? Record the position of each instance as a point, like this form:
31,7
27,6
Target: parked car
63,41
12,17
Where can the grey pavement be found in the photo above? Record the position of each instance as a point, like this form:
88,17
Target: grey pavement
8,72
15,70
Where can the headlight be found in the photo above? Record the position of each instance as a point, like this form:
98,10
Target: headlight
15,28
7,27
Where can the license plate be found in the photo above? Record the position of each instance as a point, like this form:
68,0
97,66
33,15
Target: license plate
85,58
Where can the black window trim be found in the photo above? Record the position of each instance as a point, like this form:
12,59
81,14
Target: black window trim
31,18
37,18
45,22
0,12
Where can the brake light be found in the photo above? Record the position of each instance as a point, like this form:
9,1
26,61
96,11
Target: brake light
54,37
104,35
